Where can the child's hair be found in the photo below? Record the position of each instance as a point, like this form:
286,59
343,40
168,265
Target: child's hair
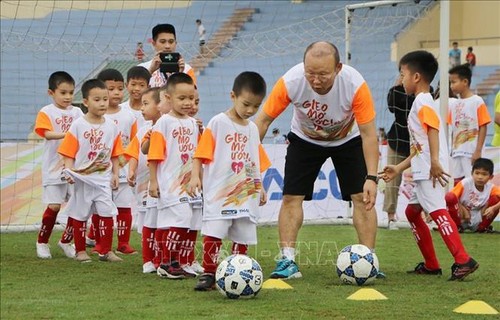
250,81
470,49
110,75
176,79
455,43
155,93
462,71
198,21
485,164
421,61
91,84
163,28
138,72
59,77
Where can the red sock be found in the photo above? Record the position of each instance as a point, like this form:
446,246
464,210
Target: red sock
422,235
124,226
79,230
452,206
239,248
186,255
449,233
48,221
67,235
94,227
486,222
148,251
173,239
105,234
158,246
211,247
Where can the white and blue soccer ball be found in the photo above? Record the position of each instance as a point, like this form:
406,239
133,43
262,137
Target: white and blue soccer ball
357,264
239,276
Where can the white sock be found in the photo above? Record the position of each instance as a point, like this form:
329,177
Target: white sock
288,252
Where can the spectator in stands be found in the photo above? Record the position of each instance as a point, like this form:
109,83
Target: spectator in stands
139,52
201,34
496,137
321,129
471,59
454,55
164,41
277,137
382,136
399,145
468,119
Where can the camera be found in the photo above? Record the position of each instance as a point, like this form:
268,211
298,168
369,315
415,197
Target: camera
169,62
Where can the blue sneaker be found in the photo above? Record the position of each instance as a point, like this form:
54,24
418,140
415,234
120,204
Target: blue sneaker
286,269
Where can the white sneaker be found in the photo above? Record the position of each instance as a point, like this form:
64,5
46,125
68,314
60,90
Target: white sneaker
148,267
393,225
68,248
188,271
89,242
196,267
43,251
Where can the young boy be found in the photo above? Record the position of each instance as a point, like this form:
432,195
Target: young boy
233,159
468,117
164,41
52,123
428,153
138,177
172,143
137,82
127,124
90,152
476,197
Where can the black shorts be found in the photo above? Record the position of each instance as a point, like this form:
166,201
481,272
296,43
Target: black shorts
304,160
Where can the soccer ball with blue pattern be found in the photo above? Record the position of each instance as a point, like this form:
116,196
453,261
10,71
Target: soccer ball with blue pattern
357,264
239,276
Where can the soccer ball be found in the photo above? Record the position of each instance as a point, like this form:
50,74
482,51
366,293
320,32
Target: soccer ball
357,264
239,276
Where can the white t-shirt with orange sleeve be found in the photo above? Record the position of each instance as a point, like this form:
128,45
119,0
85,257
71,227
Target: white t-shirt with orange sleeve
473,199
326,120
137,114
133,150
172,144
422,116
52,118
465,116
126,122
92,146
233,159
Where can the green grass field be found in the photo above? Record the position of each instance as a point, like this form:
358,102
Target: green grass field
61,288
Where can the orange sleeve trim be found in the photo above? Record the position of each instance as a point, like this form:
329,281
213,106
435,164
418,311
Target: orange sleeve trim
278,100
265,163
133,129
428,118
483,116
362,105
449,117
157,147
206,147
69,146
192,75
495,191
117,146
458,190
132,150
42,124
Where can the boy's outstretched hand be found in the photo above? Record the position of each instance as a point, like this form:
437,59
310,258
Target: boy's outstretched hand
389,173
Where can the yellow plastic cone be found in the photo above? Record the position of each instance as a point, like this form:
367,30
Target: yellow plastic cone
367,294
276,284
476,307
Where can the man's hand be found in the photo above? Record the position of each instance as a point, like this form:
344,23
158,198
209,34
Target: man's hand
369,194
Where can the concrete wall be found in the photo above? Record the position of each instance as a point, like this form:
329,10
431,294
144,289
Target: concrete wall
472,23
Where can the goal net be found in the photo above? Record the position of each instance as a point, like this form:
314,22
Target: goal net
83,37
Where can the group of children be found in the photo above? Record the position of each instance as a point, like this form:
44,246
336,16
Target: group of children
150,152
185,177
